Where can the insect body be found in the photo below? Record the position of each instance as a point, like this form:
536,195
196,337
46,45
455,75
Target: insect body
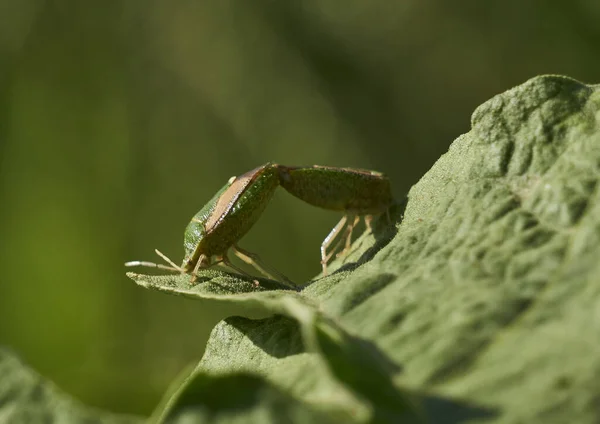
236,207
355,192
223,221
228,216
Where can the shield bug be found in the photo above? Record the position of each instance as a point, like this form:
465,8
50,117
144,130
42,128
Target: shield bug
355,192
236,207
223,221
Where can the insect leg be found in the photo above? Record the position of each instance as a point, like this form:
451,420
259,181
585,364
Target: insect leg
225,261
254,260
202,262
349,229
369,222
347,241
327,242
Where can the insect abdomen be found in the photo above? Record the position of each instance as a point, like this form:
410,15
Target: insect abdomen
341,189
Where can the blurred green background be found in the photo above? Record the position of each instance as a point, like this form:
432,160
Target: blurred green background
120,119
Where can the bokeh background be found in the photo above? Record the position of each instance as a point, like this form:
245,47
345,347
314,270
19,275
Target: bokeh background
120,119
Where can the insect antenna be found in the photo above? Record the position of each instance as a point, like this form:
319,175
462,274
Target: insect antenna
147,264
150,265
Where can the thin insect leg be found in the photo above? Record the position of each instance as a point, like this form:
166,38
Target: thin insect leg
202,262
225,260
335,248
254,260
220,262
328,240
229,267
152,265
369,222
167,260
347,241
349,228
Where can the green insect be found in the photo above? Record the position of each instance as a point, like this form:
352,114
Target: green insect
355,192
234,209
222,222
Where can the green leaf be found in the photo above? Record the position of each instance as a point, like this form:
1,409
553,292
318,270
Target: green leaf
25,397
363,368
239,398
233,295
485,295
345,395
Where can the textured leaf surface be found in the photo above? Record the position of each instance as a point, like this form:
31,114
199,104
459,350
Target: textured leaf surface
231,294
487,292
239,398
335,394
25,397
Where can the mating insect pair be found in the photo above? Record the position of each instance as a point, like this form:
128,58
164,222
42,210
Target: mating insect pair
234,209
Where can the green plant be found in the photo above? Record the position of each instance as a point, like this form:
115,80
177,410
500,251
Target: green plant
480,305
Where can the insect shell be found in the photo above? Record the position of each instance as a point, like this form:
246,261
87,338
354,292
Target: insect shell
349,190
227,217
236,207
